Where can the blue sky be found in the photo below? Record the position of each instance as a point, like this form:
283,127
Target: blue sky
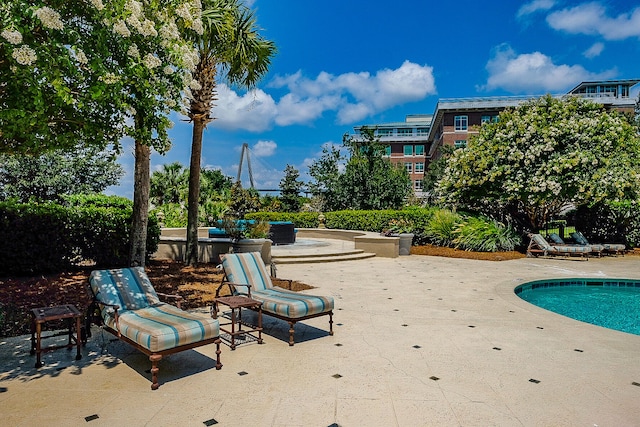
343,63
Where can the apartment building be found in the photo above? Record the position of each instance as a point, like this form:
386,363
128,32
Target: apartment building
406,144
456,119
416,141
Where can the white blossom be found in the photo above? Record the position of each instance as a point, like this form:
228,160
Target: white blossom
120,27
151,61
148,29
49,18
109,78
184,12
81,57
170,31
97,4
12,36
168,70
195,85
133,51
24,55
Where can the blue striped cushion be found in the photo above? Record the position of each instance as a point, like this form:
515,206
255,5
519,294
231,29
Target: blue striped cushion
570,249
292,305
128,288
163,326
247,269
614,247
541,242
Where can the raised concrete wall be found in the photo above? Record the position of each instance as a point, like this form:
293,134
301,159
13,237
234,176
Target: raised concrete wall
387,247
172,243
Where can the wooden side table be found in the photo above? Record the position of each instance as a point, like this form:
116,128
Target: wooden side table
47,314
237,303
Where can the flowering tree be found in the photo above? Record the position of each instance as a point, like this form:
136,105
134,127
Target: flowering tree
94,71
544,156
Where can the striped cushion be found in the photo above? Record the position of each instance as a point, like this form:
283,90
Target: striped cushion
163,326
128,288
541,242
614,247
247,269
570,249
579,238
292,305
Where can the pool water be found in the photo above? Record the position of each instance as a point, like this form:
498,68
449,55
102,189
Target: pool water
611,303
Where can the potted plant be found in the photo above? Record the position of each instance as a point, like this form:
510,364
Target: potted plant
246,235
404,230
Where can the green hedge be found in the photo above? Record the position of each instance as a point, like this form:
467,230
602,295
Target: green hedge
430,225
48,237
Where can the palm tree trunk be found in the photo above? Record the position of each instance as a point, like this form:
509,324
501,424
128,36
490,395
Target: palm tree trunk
140,205
194,191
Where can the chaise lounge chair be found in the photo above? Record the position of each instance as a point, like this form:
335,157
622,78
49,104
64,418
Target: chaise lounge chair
557,240
539,246
247,270
614,248
130,309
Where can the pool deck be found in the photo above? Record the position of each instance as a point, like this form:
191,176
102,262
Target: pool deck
419,341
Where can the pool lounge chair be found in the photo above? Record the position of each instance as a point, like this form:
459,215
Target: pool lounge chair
557,240
247,271
611,248
130,309
539,246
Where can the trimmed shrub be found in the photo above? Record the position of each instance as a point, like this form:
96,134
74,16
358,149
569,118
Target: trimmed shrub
48,237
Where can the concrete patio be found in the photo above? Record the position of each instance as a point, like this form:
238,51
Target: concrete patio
419,341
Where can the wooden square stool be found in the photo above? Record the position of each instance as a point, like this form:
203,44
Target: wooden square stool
48,314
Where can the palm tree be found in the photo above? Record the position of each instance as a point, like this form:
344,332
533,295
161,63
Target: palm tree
232,46
168,184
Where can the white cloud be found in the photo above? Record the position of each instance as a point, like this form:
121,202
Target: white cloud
534,73
254,111
264,148
594,50
592,19
353,96
535,6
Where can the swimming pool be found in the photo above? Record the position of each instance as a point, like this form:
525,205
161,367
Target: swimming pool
612,303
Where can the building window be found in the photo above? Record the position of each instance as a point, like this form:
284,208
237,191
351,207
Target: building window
408,167
460,143
490,119
461,123
423,131
408,150
419,167
385,132
405,132
419,150
387,150
417,184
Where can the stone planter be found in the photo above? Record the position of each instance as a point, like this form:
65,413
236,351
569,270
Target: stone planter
405,243
254,245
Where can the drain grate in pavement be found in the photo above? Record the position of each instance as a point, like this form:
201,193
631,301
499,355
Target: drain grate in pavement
336,376
578,350
243,373
91,417
416,346
405,324
434,378
210,422
636,384
471,326
338,345
497,348
533,380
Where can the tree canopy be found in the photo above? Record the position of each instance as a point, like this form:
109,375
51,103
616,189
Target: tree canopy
53,174
367,181
544,156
